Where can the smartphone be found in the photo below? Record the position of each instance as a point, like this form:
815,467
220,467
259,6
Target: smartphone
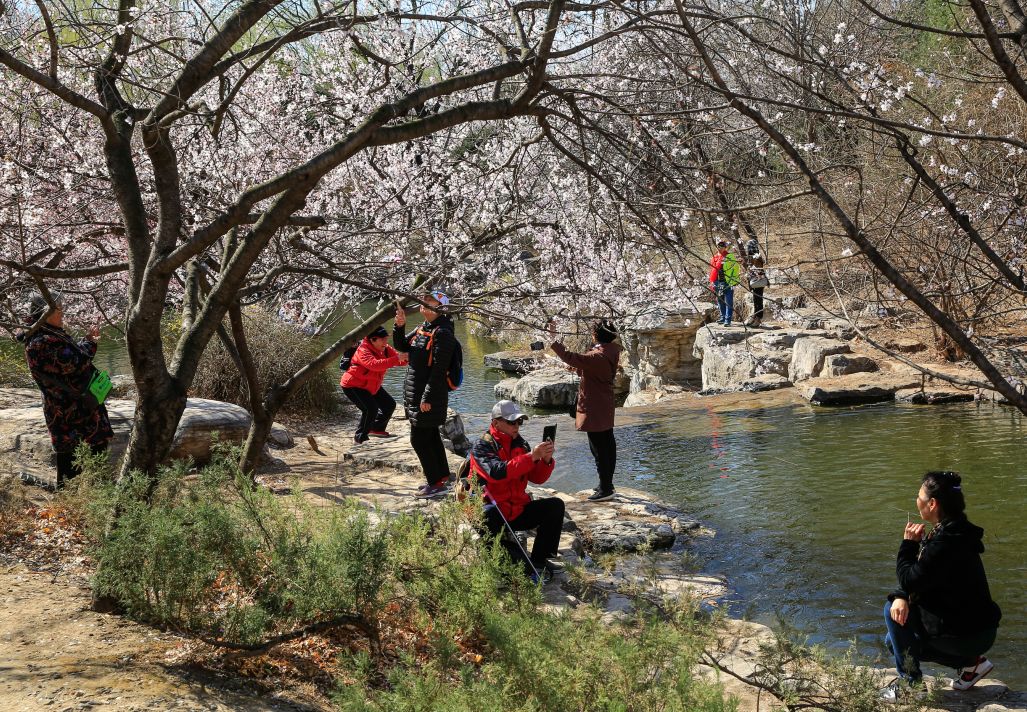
549,433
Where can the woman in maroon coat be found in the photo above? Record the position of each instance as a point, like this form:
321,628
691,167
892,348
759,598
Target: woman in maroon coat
597,368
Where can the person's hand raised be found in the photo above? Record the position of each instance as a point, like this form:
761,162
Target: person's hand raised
401,315
914,531
543,451
94,332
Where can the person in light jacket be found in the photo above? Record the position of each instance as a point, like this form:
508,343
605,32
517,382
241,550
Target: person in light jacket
594,412
362,384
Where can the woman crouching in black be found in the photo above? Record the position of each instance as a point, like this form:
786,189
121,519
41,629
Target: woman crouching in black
942,611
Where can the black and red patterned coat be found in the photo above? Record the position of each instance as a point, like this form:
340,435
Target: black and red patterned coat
54,358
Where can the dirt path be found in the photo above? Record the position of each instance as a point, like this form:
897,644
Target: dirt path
56,654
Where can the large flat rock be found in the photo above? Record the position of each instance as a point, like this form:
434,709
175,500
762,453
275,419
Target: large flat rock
855,389
23,428
547,388
516,361
809,353
933,395
629,522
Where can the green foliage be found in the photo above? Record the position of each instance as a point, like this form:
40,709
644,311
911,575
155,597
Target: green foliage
278,350
217,556
14,371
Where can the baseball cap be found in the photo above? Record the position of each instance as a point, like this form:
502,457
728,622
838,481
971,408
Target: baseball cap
440,297
508,410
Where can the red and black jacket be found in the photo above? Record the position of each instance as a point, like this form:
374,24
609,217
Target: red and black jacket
504,466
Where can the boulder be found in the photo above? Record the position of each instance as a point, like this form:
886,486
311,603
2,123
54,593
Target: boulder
515,361
844,364
782,338
546,388
203,419
280,437
23,429
505,388
808,354
615,536
855,389
933,396
711,335
662,355
726,368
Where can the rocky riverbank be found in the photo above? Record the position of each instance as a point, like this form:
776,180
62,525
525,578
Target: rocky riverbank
618,551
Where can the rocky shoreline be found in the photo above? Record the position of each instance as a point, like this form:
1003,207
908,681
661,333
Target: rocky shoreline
624,550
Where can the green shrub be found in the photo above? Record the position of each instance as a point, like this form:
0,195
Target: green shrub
278,351
14,371
221,558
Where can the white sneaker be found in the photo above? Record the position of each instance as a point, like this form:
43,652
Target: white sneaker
970,676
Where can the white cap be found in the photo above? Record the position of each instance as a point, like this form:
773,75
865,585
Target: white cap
508,410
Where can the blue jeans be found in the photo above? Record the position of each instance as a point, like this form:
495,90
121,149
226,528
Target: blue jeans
727,305
910,644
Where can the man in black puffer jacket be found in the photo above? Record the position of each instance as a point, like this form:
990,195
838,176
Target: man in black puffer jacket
425,389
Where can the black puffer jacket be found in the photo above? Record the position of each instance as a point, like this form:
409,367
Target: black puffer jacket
944,577
426,383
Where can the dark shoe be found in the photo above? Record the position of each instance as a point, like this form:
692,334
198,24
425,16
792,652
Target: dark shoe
971,675
357,440
543,576
381,434
427,491
601,496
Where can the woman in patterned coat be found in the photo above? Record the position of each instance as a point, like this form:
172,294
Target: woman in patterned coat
62,369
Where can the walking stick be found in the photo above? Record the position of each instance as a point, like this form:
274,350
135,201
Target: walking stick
510,529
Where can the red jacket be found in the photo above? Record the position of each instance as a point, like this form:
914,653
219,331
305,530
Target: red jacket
506,466
367,370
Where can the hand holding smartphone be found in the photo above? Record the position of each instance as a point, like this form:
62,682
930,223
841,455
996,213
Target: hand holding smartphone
549,433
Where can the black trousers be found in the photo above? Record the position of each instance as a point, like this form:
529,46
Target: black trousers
431,453
604,449
757,302
66,468
544,514
375,409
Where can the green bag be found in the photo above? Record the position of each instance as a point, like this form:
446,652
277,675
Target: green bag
99,386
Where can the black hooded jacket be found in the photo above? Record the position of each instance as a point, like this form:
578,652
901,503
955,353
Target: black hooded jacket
424,383
944,577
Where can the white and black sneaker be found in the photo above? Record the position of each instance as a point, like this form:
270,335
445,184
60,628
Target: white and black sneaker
601,495
971,675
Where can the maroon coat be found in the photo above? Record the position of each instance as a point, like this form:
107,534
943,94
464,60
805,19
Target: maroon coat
597,368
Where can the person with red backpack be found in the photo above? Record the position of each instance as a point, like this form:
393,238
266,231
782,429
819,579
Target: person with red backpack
362,384
435,360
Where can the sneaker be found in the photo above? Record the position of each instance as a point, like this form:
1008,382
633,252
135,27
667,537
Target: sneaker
600,496
970,676
380,434
543,576
899,690
426,491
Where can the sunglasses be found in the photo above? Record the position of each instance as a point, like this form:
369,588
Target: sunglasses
518,421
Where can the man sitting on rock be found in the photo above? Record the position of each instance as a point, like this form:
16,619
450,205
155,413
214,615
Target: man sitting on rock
503,463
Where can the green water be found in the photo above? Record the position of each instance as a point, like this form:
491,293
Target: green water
808,503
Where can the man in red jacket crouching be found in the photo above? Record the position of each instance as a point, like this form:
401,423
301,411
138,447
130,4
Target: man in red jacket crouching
503,463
